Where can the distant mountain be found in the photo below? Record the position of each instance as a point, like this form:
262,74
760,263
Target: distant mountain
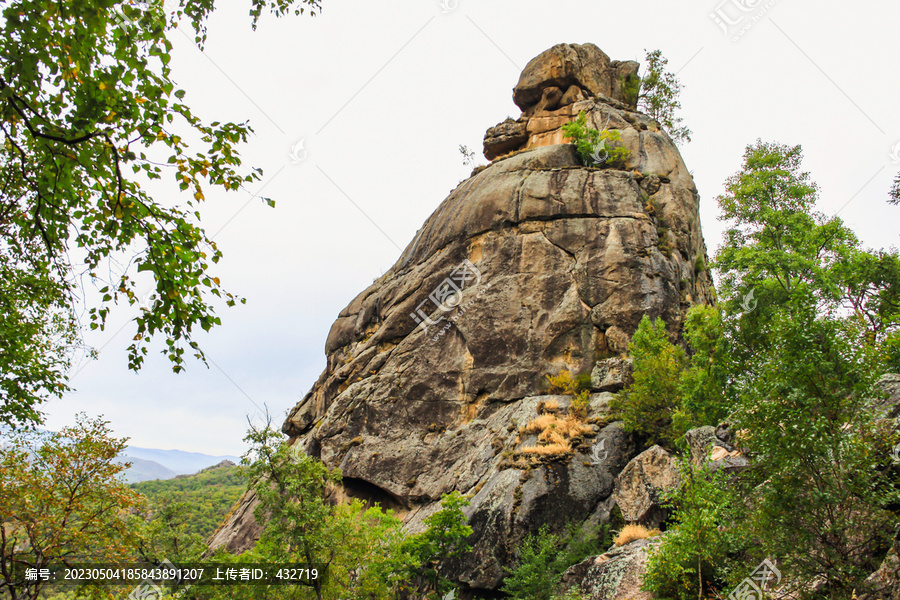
145,470
177,461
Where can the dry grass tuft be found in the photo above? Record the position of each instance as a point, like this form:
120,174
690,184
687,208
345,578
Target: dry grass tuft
540,424
547,406
632,532
554,449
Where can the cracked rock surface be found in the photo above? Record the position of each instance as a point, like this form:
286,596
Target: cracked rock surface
562,261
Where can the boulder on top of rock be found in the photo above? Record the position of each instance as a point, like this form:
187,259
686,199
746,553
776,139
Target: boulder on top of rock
640,487
565,65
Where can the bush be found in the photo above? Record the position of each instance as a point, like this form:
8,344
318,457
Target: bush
647,406
692,560
544,557
596,147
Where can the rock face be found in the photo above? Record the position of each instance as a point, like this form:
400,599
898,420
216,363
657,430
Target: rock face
615,575
435,378
550,92
640,487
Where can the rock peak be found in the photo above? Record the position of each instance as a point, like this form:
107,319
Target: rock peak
551,90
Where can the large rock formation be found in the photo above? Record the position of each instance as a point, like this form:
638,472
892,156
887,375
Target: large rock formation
435,379
550,90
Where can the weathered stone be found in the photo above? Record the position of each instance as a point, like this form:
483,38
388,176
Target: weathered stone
711,444
565,65
573,94
883,584
615,575
888,405
240,531
612,374
640,486
425,392
504,138
701,441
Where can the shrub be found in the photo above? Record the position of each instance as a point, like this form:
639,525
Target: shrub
647,406
544,557
596,147
692,560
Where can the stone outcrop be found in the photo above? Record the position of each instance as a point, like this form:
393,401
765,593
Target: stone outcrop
551,91
435,378
614,575
714,446
640,487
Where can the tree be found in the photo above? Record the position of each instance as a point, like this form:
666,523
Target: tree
61,501
805,354
658,96
167,533
779,250
357,550
443,539
89,114
692,561
648,405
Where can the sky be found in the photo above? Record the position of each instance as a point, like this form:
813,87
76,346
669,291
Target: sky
359,113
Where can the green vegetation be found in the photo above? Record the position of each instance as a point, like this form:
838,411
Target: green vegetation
205,497
807,322
596,147
60,497
89,111
543,557
659,94
691,562
673,391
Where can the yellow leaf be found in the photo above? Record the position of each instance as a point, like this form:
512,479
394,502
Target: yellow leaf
199,195
102,86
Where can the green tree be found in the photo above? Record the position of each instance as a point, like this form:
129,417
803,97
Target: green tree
693,559
89,114
658,96
167,533
805,354
596,147
537,574
357,550
648,405
61,500
443,539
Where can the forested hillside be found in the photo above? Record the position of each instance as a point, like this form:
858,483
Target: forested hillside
207,495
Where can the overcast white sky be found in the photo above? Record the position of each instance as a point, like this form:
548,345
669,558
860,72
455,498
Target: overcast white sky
383,93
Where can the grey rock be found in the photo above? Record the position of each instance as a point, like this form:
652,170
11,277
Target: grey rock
565,65
504,138
612,374
614,575
563,263
700,441
640,487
